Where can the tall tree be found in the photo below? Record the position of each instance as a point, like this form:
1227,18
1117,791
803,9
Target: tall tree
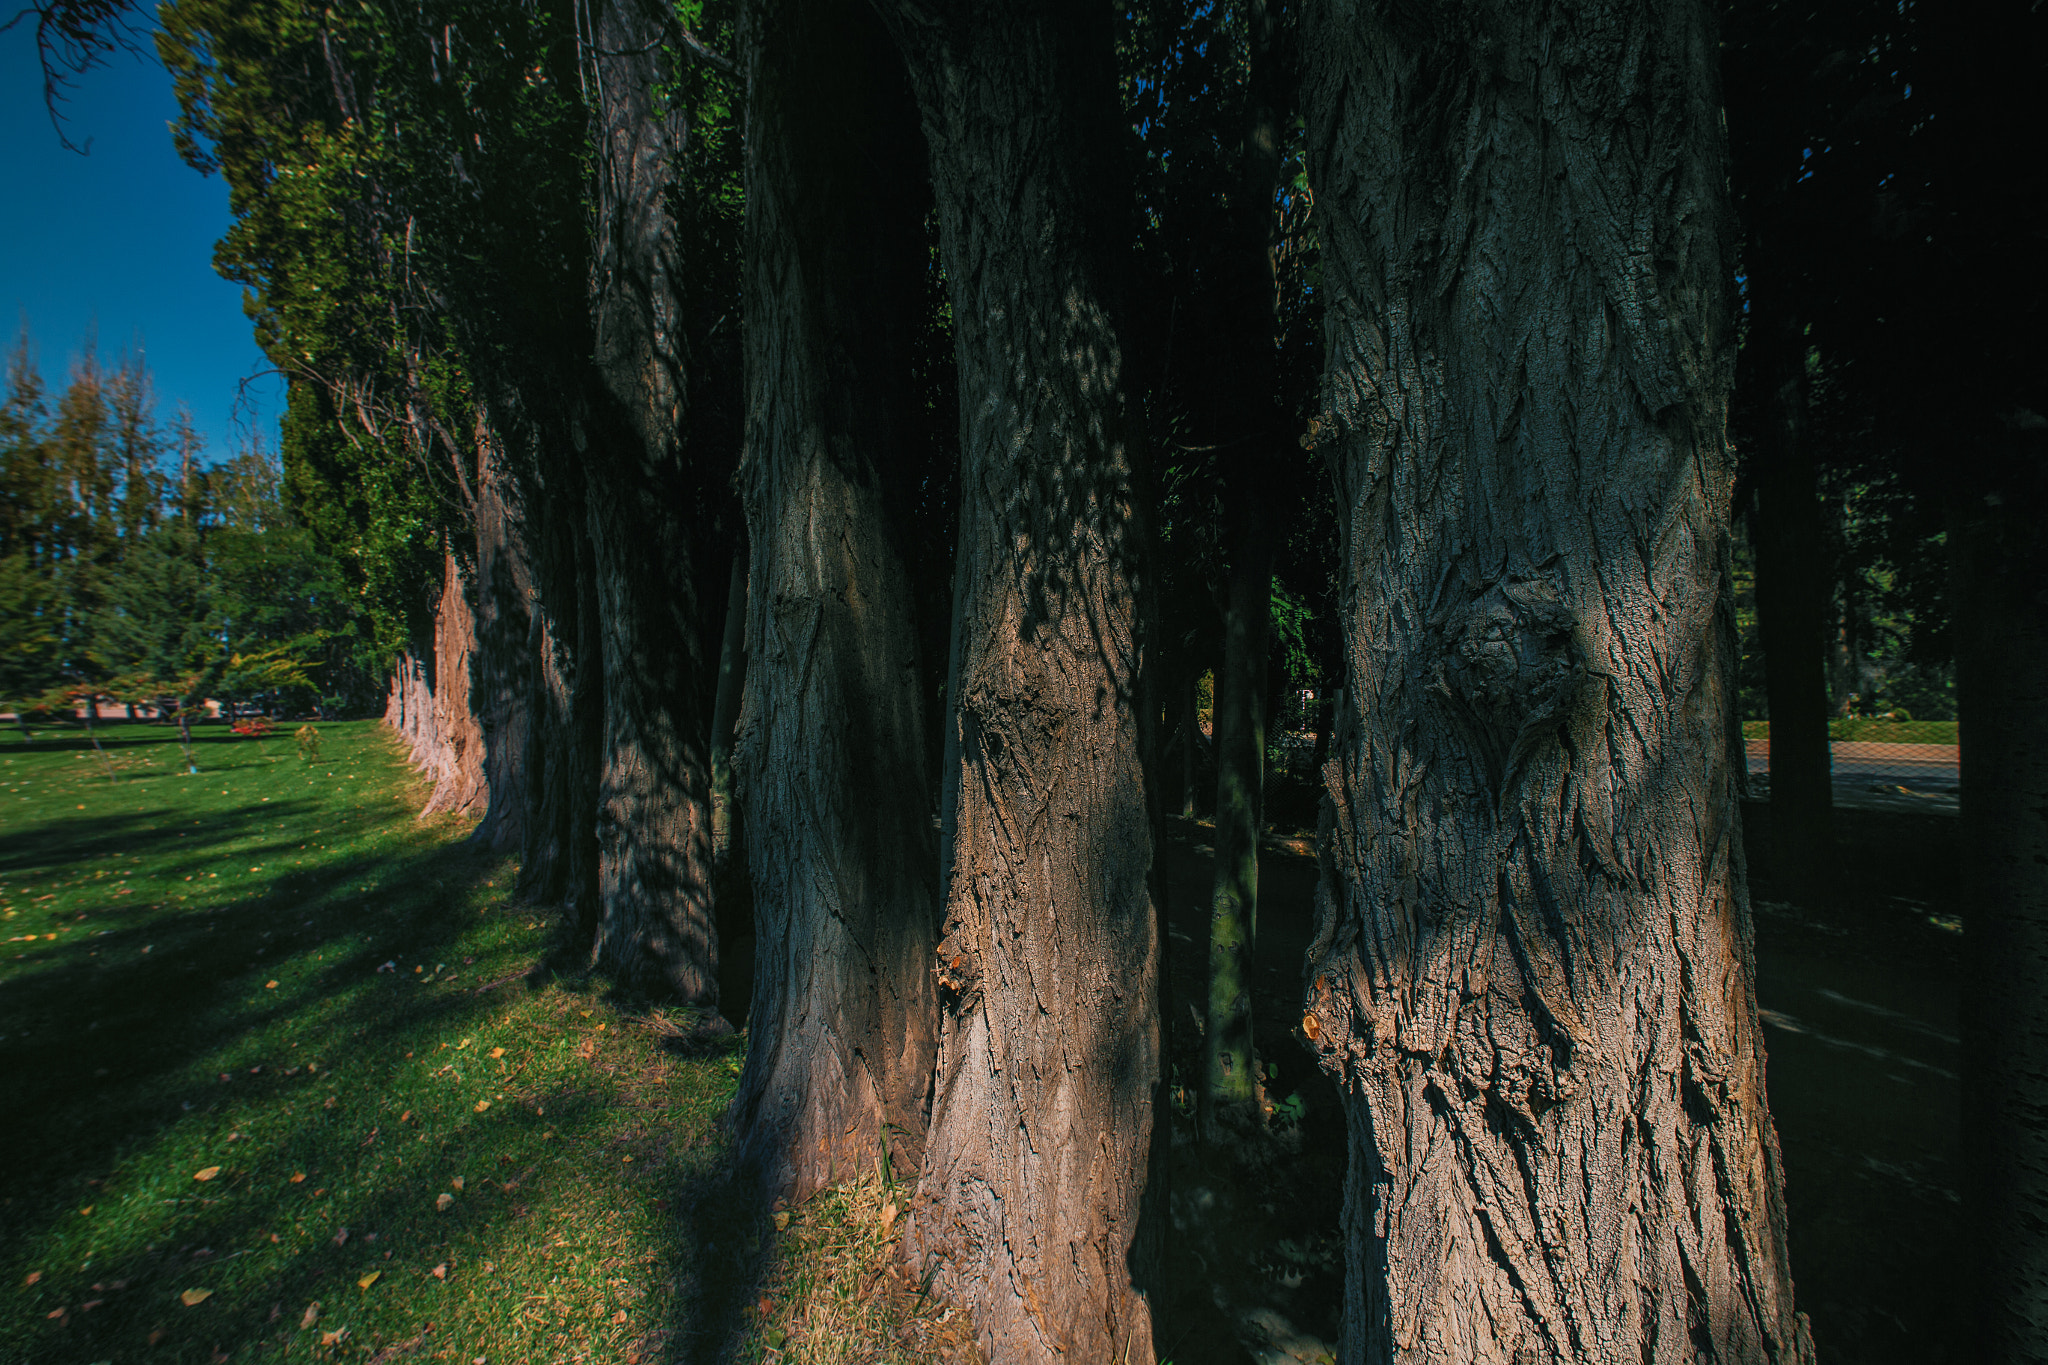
832,769
655,925
1532,974
1029,1199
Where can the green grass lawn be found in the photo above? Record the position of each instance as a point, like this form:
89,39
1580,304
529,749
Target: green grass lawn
278,1083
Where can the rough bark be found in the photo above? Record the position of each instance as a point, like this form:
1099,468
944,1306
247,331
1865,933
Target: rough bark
1532,975
2001,634
1794,578
831,762
1028,1203
456,748
501,669
725,710
409,710
654,931
558,854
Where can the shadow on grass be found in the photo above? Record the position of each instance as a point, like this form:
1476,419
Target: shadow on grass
152,1028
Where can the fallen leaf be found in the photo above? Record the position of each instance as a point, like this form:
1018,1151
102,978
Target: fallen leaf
619,1315
497,1052
90,1304
156,1336
456,1182
312,1316
57,1312
441,1271
888,1215
86,1212
441,1202
482,1105
406,1117
333,1338
781,1221
270,985
341,1237
206,1173
193,1297
368,1280
33,1277
298,1177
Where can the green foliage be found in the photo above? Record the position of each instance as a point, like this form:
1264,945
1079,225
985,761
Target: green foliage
124,578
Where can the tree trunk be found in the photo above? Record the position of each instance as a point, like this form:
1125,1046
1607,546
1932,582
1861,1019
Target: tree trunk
725,711
655,931
558,857
832,768
1250,429
2001,633
1532,975
1231,1092
1041,1137
1793,601
504,593
457,756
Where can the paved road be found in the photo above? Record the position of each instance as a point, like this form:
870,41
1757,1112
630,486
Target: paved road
1892,776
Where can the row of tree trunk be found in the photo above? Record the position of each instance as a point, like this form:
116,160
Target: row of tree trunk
1532,975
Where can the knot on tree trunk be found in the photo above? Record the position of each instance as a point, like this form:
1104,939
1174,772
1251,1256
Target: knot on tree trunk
1514,664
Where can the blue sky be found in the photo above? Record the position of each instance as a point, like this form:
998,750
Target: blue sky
121,242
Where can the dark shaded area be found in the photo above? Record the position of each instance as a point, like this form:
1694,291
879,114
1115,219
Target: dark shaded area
1860,1006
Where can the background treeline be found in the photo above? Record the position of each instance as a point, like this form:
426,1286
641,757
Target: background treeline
134,572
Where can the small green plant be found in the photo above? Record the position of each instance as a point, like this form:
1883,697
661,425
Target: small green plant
308,740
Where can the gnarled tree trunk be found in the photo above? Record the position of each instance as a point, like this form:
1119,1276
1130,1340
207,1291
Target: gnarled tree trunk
1533,971
654,930
1029,1199
457,758
558,853
501,670
831,768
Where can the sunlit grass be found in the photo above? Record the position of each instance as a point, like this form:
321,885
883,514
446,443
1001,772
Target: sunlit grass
270,975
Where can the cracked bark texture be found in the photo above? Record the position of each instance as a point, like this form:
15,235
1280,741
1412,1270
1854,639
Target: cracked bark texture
654,930
456,757
832,779
503,624
1533,971
1029,1194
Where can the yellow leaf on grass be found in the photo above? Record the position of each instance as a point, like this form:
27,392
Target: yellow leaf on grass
482,1105
497,1052
441,1271
781,1221
368,1280
86,1212
270,985
193,1297
333,1338
442,1202
312,1316
888,1216
207,1173
298,1177
457,1183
